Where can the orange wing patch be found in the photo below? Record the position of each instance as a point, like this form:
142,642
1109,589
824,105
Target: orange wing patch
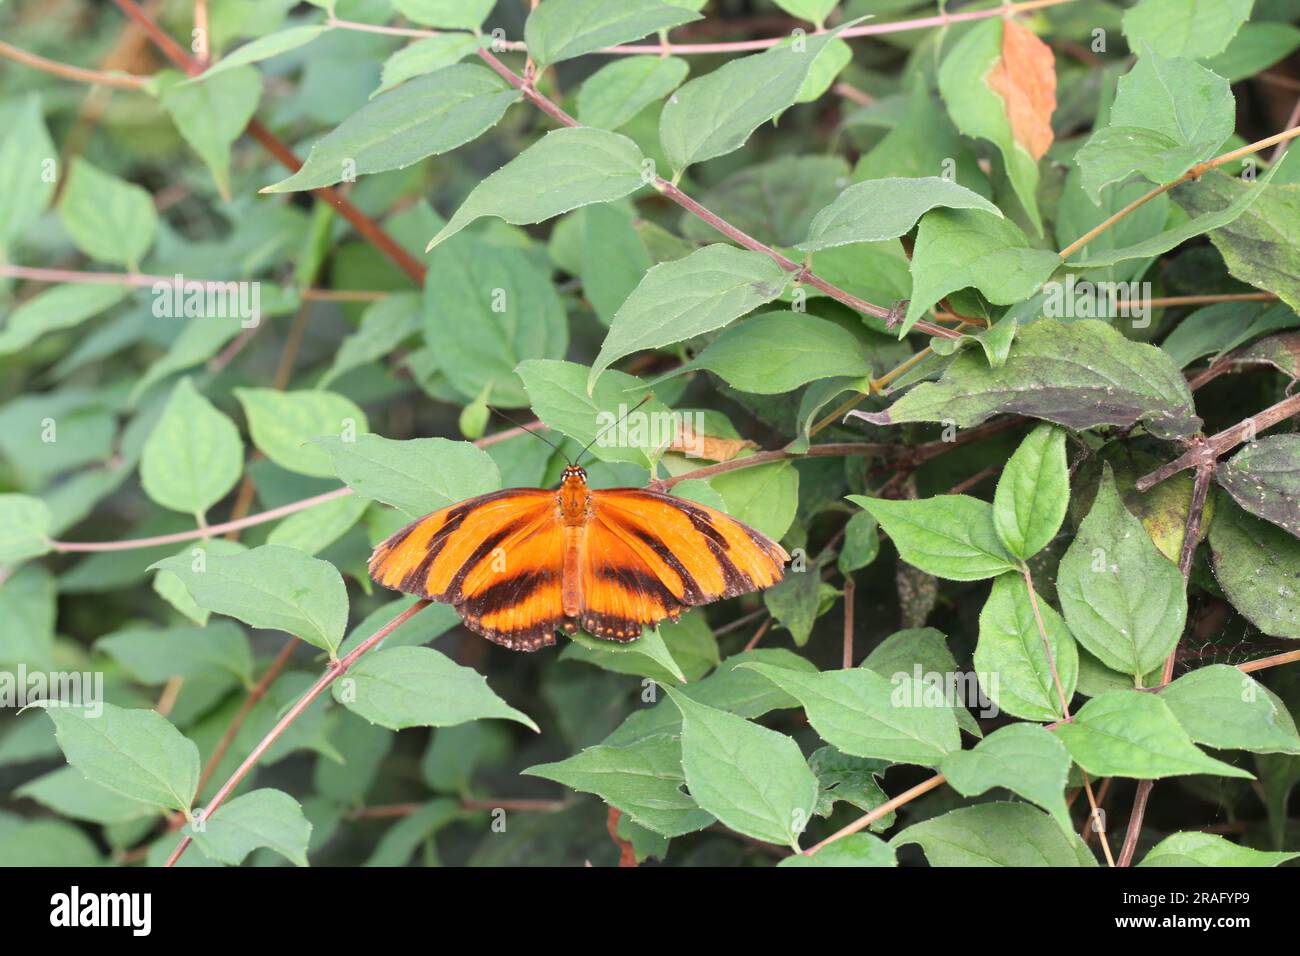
496,558
651,555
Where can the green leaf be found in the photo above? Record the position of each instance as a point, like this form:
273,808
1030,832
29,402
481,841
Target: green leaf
284,426
385,325
644,780
260,818
1026,759
715,114
1255,563
108,218
156,655
949,536
270,586
486,309
794,602
426,117
613,257
1255,48
1033,493
980,112
863,714
995,834
814,11
417,476
28,167
1214,189
400,842
1209,849
778,351
425,56
565,169
1010,658
885,209
861,542
212,115
68,793
856,849
263,48
60,307
1122,598
647,656
965,248
618,91
686,297
196,343
754,780
28,608
1168,115
1221,707
446,14
47,843
765,497
193,456
564,29
24,528
136,753
1190,28
1128,733
923,651
557,392
1080,375
1264,478
400,687
1259,245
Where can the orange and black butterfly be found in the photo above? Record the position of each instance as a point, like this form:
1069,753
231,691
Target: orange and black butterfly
520,563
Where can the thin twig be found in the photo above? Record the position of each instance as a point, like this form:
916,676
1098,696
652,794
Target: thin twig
121,81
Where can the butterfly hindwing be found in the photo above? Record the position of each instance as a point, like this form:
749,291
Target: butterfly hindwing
496,558
670,553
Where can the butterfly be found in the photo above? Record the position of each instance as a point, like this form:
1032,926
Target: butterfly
519,564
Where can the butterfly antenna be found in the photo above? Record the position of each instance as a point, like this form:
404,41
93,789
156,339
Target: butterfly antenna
534,433
612,425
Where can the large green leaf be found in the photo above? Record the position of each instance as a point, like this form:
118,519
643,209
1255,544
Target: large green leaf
156,655
193,456
428,116
1128,733
856,849
400,687
1011,659
949,536
27,168
564,29
108,218
418,476
619,90
885,209
643,779
1264,478
1167,116
1024,758
1256,565
753,779
24,528
212,115
715,114
964,248
1123,599
269,586
1221,707
60,307
863,714
260,818
565,169
676,300
284,426
1033,493
1080,375
995,834
1209,849
1190,28
136,753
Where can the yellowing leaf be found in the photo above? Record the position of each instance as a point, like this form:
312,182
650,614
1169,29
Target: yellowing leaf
1025,78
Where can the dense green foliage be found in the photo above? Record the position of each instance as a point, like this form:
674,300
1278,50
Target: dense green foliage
936,306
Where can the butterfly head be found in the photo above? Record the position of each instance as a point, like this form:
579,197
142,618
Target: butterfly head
574,475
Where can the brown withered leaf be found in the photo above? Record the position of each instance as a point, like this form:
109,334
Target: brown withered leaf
1280,351
711,447
1025,78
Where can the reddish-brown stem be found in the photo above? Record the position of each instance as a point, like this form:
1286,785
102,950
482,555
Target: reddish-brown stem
121,81
886,808
847,660
363,224
332,673
1212,448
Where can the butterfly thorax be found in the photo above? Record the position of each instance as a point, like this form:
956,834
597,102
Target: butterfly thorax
574,498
